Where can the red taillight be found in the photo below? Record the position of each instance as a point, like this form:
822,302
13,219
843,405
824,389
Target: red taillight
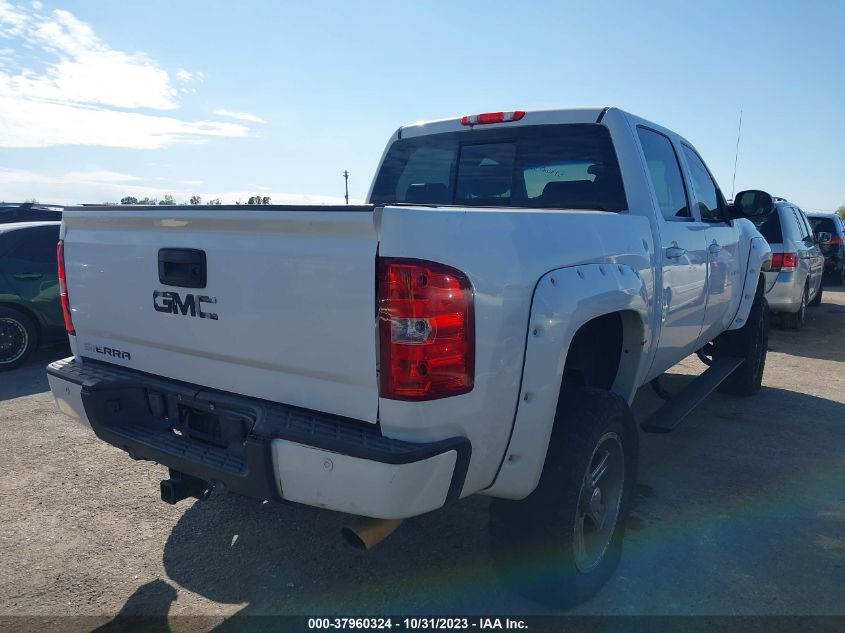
60,257
786,262
833,241
426,330
492,117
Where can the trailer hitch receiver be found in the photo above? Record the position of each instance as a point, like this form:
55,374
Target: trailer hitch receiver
181,486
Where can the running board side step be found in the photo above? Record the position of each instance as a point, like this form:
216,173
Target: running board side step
667,417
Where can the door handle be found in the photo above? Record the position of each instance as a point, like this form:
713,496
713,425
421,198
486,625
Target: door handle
675,252
28,276
182,267
715,248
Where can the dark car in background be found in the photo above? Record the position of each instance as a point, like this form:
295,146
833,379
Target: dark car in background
29,212
832,248
30,308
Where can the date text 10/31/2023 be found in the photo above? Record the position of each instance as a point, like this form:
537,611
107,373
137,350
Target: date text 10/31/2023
417,623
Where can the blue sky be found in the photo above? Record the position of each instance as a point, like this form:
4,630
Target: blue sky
102,99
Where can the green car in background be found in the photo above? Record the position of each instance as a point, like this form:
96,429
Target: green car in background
30,308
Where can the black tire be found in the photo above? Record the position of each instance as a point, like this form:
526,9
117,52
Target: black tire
533,541
750,342
795,320
18,337
817,300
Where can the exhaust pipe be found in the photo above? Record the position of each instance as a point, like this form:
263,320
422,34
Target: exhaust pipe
367,533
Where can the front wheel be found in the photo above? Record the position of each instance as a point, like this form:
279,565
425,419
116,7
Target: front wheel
750,342
562,543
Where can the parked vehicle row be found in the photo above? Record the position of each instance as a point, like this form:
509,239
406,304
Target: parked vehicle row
794,280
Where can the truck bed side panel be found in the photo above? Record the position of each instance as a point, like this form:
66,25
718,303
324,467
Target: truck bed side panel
505,253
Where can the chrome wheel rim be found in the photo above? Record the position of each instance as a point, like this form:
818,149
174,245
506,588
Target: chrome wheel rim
13,340
599,502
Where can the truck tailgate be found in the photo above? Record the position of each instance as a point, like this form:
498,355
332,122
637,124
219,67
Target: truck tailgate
287,312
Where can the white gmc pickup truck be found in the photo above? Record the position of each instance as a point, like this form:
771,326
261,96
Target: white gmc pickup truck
479,327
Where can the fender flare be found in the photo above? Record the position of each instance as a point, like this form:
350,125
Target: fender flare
564,300
759,259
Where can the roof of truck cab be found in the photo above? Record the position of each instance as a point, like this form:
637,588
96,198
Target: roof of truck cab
590,114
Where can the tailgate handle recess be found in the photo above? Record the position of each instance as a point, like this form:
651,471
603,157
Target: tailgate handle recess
183,267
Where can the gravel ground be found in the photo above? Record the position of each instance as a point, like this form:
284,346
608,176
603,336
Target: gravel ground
740,511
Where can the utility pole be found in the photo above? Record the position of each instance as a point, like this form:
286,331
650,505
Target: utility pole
346,183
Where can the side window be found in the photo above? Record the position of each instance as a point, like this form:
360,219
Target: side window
796,232
806,234
807,226
706,191
8,215
770,227
38,246
665,174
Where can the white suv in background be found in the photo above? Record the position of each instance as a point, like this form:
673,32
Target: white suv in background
795,278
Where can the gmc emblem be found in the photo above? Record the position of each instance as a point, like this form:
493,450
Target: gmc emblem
191,305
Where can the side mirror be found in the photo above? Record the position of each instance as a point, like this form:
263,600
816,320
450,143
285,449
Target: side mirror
823,237
752,204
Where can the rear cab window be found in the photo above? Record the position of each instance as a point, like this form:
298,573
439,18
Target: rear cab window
571,166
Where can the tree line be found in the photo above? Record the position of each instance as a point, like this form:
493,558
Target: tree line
194,200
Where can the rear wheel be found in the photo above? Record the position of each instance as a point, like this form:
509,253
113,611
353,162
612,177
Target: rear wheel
750,342
561,544
817,300
18,337
795,320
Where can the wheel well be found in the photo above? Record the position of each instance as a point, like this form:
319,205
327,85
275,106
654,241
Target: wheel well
594,354
27,312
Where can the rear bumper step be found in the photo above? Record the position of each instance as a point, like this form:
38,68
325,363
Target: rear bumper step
261,449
